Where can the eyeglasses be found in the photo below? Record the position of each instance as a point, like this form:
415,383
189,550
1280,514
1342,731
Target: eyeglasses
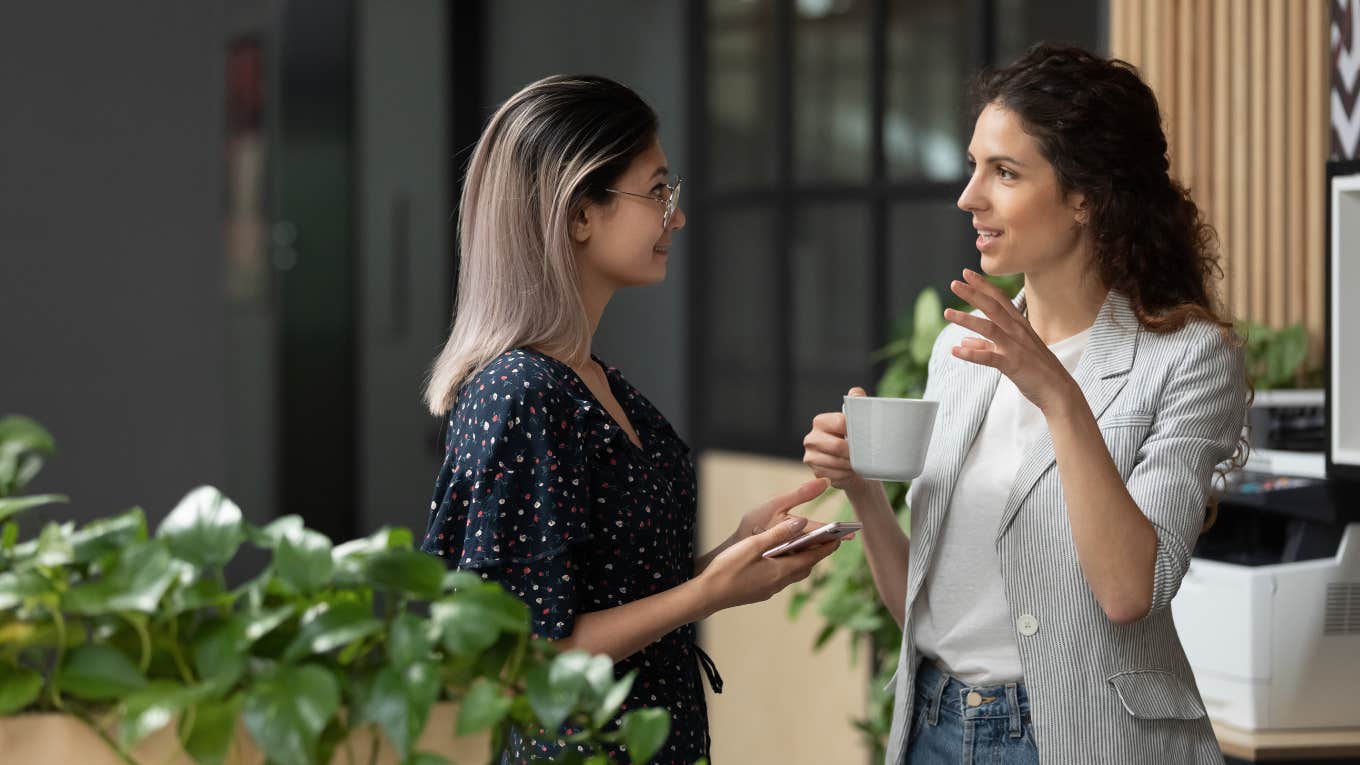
670,200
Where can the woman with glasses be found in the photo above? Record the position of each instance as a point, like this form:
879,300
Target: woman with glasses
560,480
1080,426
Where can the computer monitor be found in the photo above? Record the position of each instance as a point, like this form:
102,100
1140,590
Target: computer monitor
1342,333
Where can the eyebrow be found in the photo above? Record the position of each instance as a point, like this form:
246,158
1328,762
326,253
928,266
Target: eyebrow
995,159
662,171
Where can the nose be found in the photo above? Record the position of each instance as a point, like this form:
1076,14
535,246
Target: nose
678,218
972,198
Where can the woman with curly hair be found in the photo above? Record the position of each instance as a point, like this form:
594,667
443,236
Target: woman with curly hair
1081,425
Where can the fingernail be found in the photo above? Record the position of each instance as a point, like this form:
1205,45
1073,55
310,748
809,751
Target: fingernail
793,522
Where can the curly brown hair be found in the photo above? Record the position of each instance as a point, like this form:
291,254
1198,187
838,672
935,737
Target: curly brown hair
1099,125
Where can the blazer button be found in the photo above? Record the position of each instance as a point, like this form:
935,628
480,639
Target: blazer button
1027,624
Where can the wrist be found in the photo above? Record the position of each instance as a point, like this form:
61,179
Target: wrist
862,492
1071,401
696,598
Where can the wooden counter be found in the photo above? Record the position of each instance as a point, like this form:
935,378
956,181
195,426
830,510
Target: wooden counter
1285,745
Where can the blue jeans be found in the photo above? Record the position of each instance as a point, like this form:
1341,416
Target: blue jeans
946,729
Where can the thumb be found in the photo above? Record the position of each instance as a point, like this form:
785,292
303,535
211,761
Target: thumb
857,391
780,533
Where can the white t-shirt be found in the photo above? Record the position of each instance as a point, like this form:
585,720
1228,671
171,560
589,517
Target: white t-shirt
962,618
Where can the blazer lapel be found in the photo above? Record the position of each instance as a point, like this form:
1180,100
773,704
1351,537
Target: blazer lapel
1101,374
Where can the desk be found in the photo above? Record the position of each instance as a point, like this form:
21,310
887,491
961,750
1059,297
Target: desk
1332,745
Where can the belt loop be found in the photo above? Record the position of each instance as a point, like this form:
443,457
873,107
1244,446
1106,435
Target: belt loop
1013,701
935,697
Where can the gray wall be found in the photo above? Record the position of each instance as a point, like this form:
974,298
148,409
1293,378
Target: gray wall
405,259
641,44
111,308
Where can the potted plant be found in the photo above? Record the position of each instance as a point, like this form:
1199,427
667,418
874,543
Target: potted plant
129,631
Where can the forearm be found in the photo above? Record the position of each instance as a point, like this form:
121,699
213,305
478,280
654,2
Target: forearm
1116,543
621,631
885,545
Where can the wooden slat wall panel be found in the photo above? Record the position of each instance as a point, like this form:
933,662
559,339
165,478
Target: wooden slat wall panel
1243,88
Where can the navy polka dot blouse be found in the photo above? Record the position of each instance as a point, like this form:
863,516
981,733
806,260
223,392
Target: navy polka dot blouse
542,491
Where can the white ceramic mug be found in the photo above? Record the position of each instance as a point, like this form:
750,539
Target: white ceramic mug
889,437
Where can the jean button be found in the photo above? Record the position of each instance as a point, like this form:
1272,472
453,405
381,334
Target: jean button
974,699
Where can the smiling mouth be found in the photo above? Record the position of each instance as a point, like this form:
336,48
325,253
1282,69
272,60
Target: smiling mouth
987,234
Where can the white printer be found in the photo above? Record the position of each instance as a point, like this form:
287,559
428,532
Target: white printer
1269,611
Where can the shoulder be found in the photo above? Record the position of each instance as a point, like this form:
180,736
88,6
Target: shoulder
1199,341
516,379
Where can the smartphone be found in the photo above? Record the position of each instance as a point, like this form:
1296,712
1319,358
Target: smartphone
820,535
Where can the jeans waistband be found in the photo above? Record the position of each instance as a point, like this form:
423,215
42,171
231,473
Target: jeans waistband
942,692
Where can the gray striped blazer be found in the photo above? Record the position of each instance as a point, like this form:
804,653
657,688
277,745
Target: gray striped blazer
1171,407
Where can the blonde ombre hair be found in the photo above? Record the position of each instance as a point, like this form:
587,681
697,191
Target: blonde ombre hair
551,148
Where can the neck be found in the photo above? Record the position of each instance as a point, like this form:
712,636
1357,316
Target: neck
1061,304
595,297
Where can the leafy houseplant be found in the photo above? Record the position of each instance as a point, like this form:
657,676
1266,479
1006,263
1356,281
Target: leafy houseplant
1275,357
129,631
844,591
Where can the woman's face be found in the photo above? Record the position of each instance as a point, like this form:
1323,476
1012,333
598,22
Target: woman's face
1025,223
621,242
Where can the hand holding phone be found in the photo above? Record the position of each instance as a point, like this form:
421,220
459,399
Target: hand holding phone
820,535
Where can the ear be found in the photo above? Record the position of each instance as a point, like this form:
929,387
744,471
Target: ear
1080,212
581,223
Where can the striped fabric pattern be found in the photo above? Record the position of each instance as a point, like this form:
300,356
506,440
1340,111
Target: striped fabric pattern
1170,407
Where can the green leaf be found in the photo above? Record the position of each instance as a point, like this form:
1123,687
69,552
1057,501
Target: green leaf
202,594
410,639
153,707
599,673
285,712
275,531
23,445
567,673
98,673
19,687
326,628
386,538
52,548
483,706
205,528
645,730
9,536
461,580
137,582
220,651
929,320
16,587
550,704
213,727
14,505
108,535
399,702
260,624
465,625
618,693
409,571
303,561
